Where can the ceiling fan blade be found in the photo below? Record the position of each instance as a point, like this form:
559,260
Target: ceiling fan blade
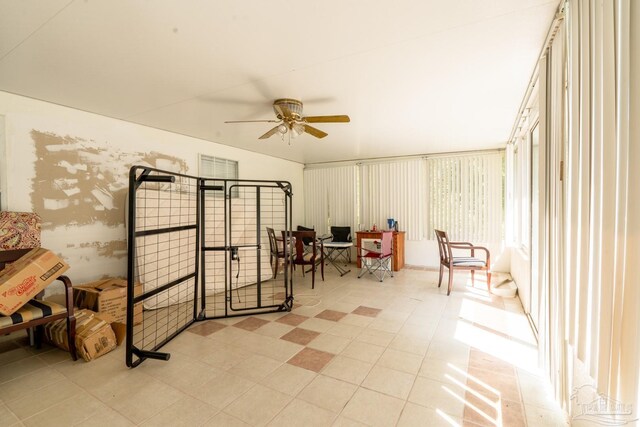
252,121
327,119
315,132
268,134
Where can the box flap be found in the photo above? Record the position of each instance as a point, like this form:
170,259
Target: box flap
112,283
120,329
104,284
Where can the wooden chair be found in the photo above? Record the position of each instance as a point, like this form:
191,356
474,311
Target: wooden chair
313,256
470,263
35,313
20,232
276,253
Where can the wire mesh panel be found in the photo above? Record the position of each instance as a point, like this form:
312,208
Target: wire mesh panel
240,245
214,248
163,243
199,248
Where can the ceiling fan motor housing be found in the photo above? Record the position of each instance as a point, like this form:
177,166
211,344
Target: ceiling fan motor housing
290,118
292,105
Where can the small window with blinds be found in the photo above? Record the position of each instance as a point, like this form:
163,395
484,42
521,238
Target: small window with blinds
466,196
218,168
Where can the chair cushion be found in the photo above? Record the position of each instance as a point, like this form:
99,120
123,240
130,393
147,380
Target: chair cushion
468,262
19,230
34,309
341,234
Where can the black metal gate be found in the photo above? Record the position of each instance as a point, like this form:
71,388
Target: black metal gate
198,249
241,248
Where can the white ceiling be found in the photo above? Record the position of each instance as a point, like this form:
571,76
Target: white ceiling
415,76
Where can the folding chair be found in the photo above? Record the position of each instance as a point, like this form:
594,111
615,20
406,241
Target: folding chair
341,235
337,251
375,256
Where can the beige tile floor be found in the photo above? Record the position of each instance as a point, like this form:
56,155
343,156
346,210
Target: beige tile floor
353,352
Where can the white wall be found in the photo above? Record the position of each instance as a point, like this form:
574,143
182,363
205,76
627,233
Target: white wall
92,242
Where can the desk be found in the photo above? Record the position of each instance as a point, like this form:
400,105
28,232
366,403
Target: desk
397,259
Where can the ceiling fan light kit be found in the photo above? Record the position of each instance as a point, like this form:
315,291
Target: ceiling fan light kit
292,121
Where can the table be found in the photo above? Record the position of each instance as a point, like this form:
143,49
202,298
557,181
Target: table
334,251
397,259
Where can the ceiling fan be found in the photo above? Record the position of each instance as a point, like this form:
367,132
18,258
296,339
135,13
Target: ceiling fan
291,120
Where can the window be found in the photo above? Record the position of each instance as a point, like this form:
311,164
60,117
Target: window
394,189
219,168
517,190
330,197
216,167
466,196
522,192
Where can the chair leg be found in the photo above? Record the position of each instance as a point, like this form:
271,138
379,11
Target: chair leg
313,277
450,282
489,280
275,274
440,278
322,268
71,336
38,333
473,278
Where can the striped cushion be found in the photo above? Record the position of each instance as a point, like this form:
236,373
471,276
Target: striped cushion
34,309
468,262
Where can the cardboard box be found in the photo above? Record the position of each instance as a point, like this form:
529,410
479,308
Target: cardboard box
109,298
95,336
23,279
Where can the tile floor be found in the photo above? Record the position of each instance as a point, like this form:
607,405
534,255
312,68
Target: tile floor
353,352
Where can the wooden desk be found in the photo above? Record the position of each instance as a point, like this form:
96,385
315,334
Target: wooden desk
397,260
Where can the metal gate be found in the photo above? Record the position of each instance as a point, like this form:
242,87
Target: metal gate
241,247
198,249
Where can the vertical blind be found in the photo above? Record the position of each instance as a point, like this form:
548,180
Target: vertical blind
466,196
602,198
330,197
394,190
552,82
462,194
590,200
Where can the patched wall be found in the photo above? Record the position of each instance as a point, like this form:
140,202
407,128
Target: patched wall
72,168
80,181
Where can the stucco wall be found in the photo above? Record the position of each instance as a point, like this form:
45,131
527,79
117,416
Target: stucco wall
71,167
